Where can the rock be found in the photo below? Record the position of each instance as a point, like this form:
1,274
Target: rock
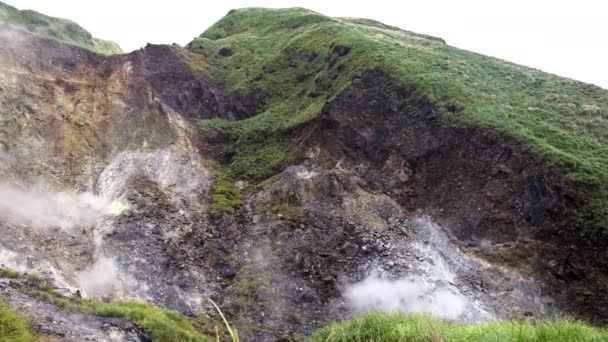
132,195
224,268
295,318
225,52
307,296
341,50
306,56
298,261
379,246
350,249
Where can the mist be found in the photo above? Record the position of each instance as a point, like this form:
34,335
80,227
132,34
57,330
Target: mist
102,279
410,295
40,208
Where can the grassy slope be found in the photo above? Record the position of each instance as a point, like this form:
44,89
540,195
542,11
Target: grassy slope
398,327
162,325
14,328
563,121
57,28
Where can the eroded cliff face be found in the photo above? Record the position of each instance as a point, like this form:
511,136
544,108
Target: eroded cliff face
75,122
105,185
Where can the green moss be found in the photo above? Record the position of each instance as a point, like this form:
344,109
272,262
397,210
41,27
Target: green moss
252,281
10,274
252,285
398,327
13,327
226,197
162,325
290,54
260,159
258,186
60,29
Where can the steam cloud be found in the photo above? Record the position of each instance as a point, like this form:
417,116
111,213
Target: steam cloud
101,279
40,208
412,295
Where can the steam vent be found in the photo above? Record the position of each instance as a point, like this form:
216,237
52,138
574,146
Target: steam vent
289,170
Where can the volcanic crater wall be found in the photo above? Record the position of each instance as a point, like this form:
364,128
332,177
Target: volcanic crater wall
382,183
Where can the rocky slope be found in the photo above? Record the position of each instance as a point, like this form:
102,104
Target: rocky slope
319,179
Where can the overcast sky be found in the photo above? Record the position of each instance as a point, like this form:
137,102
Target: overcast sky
568,38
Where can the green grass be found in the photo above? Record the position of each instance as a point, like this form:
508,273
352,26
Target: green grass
162,325
10,274
226,197
13,327
234,336
60,29
398,327
286,54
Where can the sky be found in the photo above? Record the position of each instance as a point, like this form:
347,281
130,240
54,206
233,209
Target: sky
567,38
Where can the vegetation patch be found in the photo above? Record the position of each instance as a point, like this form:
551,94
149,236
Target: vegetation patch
10,274
398,327
162,325
226,197
15,328
252,281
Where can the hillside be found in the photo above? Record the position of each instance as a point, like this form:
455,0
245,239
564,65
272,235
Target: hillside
61,29
294,56
297,170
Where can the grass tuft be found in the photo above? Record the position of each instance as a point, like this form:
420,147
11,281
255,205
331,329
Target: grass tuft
385,327
233,333
10,274
13,327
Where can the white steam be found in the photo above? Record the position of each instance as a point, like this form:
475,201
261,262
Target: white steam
40,208
430,285
103,279
410,295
